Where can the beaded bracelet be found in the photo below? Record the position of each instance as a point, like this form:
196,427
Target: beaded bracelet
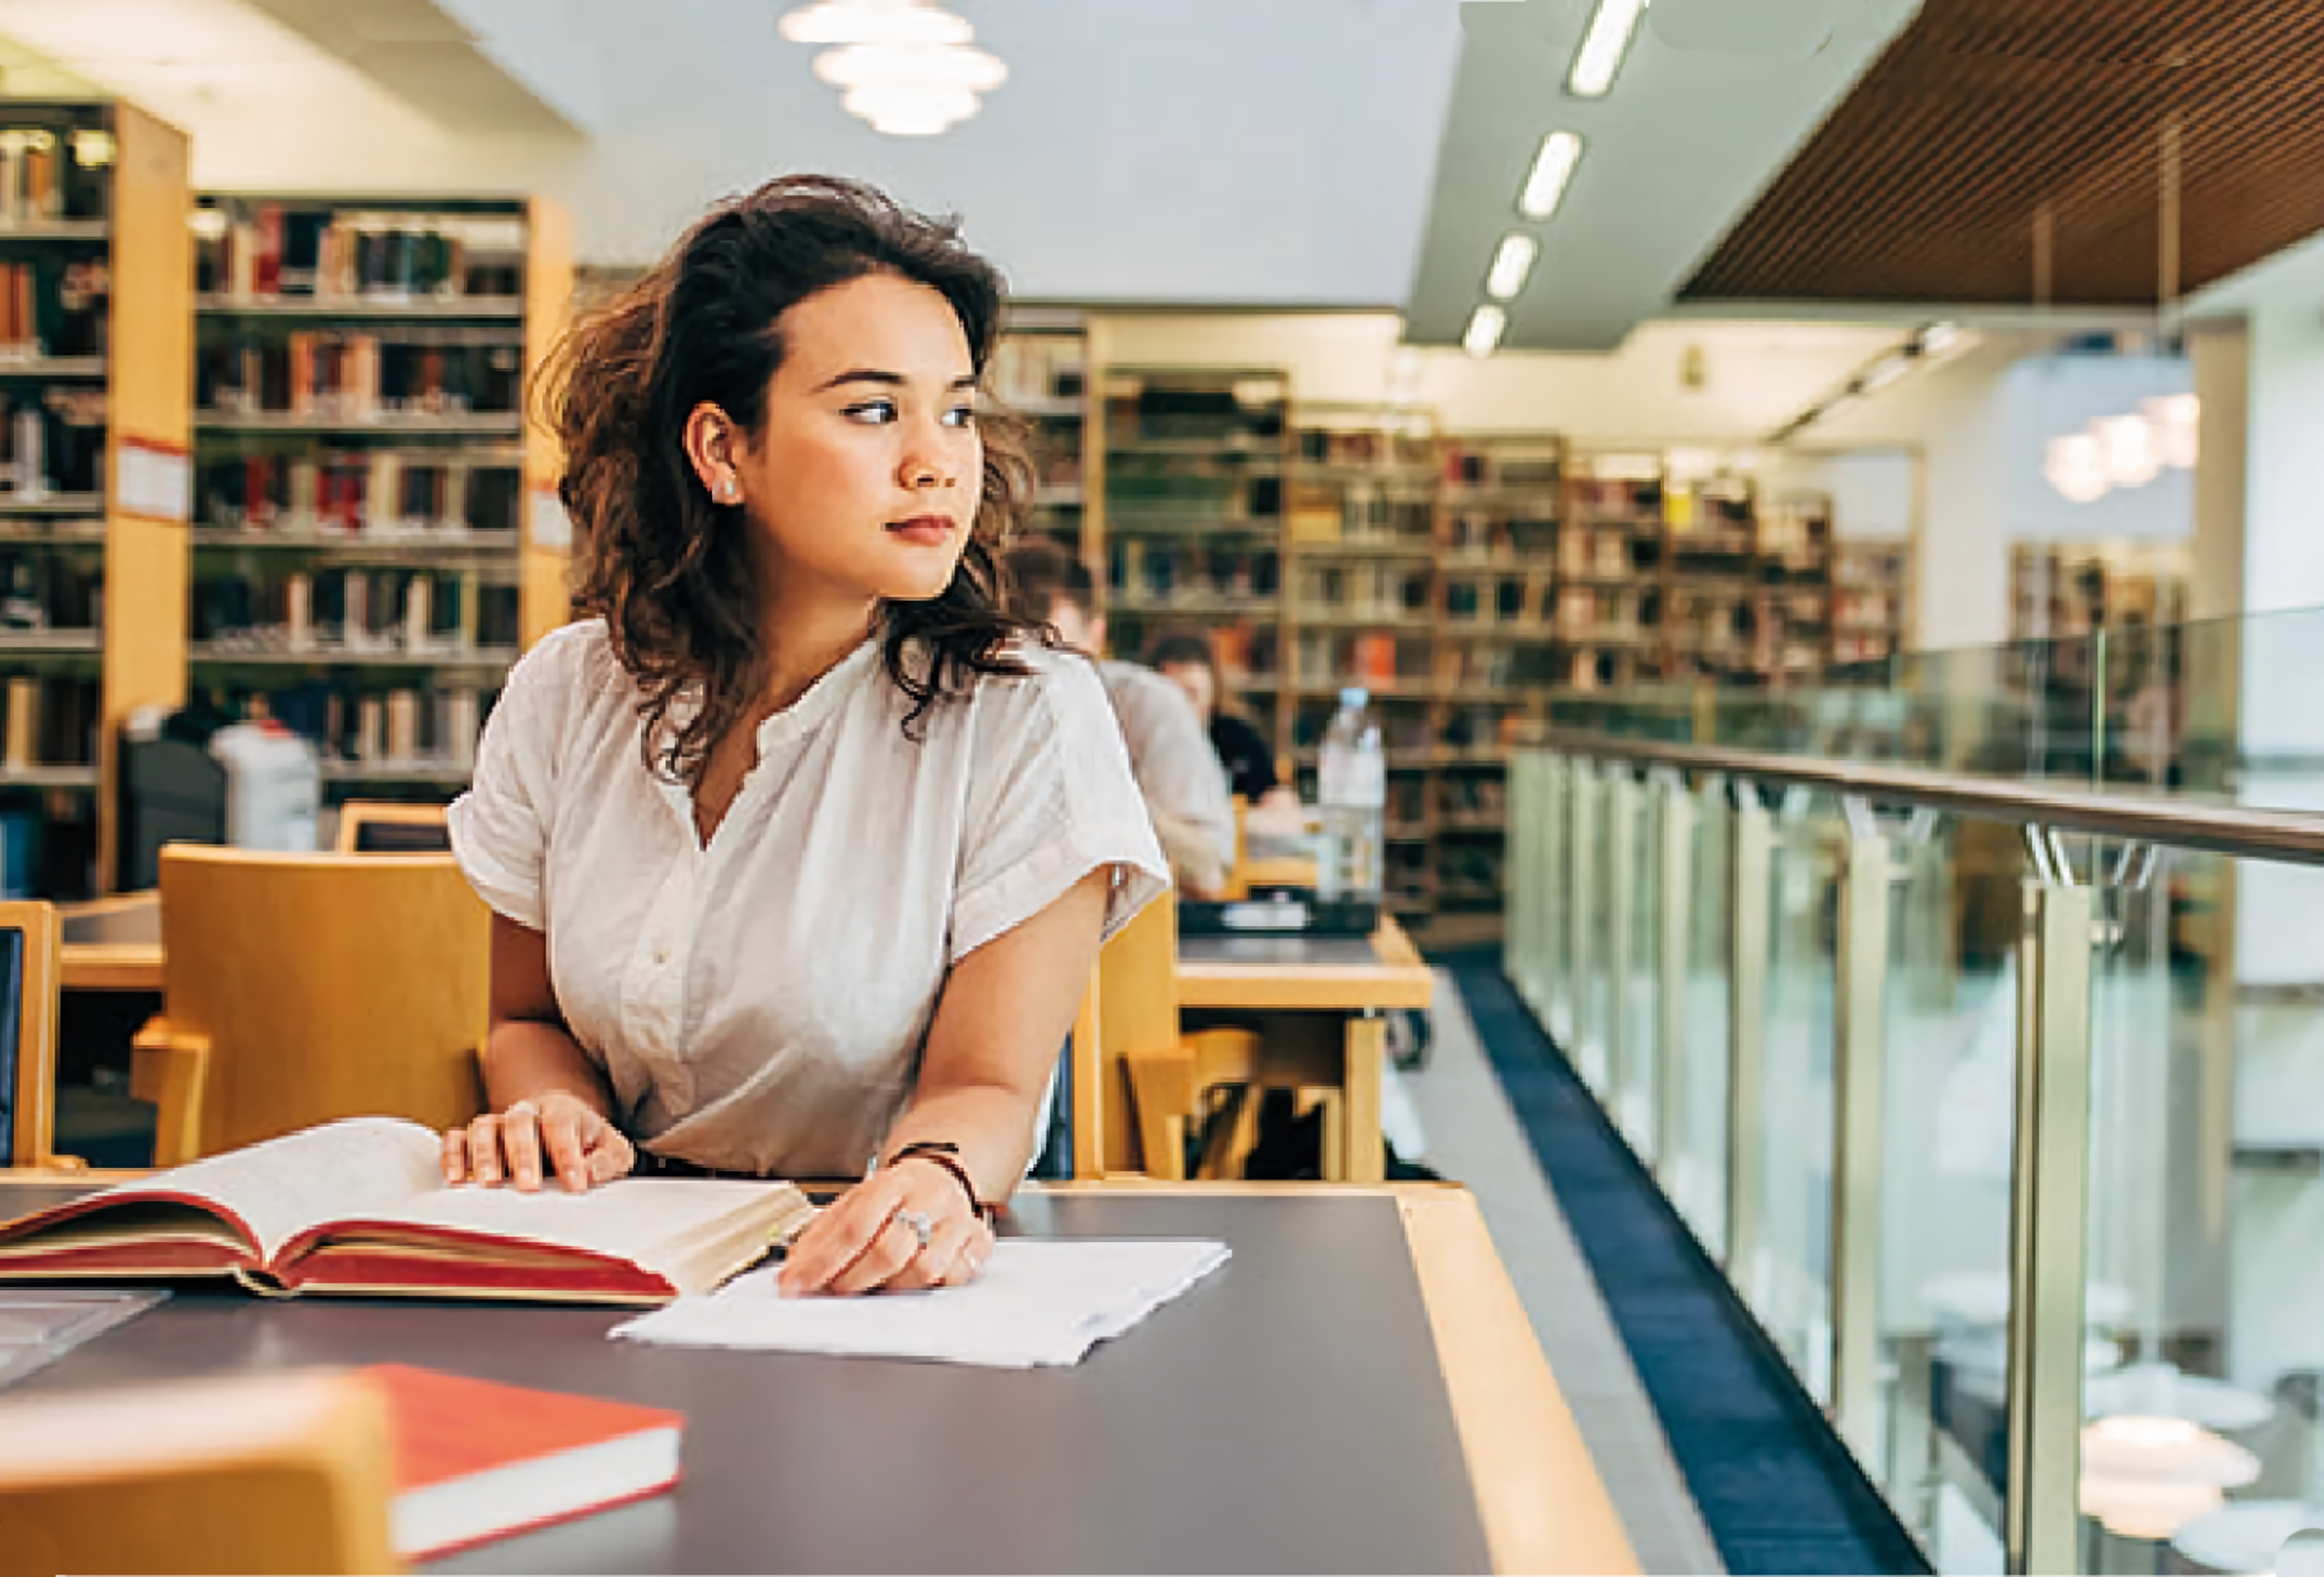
946,1154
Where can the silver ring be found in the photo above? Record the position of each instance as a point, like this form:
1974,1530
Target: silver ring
922,1225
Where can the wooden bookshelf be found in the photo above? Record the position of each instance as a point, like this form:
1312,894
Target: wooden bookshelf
1043,373
1871,600
377,534
2067,590
95,359
1193,464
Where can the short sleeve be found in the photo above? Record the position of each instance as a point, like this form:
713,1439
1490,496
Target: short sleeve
500,826
1050,800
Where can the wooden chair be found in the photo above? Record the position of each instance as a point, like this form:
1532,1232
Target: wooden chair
378,827
299,987
1139,1085
284,1472
29,977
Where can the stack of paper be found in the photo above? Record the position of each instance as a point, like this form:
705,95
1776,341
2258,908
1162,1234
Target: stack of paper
1040,1301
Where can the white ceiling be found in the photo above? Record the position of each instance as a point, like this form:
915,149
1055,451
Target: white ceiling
1200,151
1673,155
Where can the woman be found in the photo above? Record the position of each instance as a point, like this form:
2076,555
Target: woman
1185,658
799,847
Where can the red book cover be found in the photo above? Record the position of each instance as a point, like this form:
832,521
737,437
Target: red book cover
477,1459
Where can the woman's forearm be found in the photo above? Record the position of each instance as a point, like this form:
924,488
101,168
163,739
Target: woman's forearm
525,1060
992,1124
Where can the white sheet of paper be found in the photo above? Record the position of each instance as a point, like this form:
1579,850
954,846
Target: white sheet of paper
1040,1301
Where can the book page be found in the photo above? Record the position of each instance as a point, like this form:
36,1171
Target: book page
358,1165
653,1223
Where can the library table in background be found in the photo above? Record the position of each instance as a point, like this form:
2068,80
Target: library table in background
1321,1004
1356,1390
112,944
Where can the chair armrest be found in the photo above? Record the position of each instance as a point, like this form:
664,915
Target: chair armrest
171,1068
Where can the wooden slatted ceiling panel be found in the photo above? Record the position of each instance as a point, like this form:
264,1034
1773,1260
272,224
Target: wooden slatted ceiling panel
1923,184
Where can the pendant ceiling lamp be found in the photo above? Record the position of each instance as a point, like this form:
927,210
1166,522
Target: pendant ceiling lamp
908,67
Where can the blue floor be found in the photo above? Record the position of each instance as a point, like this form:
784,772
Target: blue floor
1776,1487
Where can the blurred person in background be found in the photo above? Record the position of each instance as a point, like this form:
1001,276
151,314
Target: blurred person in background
1186,660
1178,772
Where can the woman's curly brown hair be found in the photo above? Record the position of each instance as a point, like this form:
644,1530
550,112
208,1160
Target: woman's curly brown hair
670,570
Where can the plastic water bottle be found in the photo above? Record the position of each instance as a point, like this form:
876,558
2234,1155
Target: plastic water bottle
1351,804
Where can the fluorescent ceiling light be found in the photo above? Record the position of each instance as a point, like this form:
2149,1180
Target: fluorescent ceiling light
1885,372
1553,168
1485,325
1512,262
1599,58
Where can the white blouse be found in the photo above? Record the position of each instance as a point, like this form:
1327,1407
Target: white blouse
761,1004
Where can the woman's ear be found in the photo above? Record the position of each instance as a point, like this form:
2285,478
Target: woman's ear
715,452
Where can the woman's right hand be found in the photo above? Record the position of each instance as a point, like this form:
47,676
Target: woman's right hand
577,1141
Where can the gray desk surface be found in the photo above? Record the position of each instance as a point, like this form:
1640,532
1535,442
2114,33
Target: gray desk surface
136,923
1289,1415
1280,952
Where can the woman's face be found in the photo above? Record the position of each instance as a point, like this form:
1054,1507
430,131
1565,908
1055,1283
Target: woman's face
867,476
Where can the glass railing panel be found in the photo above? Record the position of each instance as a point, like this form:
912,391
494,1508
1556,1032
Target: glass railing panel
2206,1261
1948,1082
1786,1276
1694,1174
1641,1026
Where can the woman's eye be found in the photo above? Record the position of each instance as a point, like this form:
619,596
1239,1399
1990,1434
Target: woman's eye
880,410
961,415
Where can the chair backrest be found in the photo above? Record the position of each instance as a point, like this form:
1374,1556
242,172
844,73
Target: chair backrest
373,827
1238,887
318,986
28,1034
1132,1007
280,1472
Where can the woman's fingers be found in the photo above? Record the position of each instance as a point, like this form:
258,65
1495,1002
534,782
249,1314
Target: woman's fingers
484,1150
456,1155
894,1247
521,1145
945,1261
561,1134
611,1154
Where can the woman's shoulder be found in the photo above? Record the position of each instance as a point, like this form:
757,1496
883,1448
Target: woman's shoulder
1044,684
567,676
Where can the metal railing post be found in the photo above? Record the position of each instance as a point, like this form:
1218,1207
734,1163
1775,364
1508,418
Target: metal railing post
2049,1230
1858,1025
1747,1019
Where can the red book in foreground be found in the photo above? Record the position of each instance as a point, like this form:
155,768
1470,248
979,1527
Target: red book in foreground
476,1461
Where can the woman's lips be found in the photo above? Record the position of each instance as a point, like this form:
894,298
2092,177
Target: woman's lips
925,530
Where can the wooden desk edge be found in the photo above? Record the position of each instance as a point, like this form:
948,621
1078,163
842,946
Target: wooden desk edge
1543,1504
111,966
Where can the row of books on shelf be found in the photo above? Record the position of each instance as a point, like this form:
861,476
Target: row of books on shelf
1362,447
48,721
49,591
1541,468
331,375
52,442
365,490
1147,571
54,167
1359,513
54,306
403,728
1245,416
354,612
256,252
1038,370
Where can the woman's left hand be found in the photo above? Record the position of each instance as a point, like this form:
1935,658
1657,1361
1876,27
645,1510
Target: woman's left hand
906,1228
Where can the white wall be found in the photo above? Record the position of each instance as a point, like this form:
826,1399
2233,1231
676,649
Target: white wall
1875,493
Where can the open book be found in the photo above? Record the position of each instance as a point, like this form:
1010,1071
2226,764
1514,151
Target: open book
360,1206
